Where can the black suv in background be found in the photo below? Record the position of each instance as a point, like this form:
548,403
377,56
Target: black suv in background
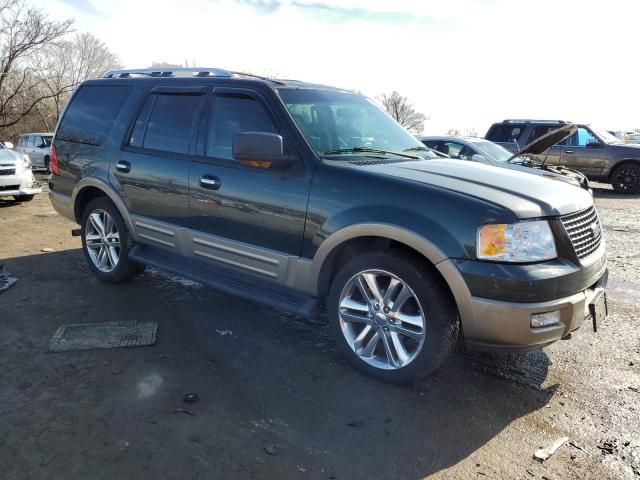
594,152
285,192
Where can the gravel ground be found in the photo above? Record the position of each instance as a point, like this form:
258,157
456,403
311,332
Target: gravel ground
275,398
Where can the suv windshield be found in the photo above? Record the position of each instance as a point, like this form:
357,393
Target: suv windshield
336,122
605,136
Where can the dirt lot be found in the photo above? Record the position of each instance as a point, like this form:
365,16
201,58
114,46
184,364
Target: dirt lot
275,398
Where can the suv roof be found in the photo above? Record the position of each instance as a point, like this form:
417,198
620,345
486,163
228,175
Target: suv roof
209,72
533,120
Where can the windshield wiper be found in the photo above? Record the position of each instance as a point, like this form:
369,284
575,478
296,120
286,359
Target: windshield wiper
369,150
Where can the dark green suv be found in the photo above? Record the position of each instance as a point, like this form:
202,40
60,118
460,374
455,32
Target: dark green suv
286,192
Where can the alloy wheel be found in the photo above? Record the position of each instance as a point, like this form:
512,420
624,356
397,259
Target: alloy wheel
382,319
102,240
627,179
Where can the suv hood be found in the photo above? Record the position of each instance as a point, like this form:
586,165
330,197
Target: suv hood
546,141
526,195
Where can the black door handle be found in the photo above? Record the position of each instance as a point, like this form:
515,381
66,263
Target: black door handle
210,181
123,166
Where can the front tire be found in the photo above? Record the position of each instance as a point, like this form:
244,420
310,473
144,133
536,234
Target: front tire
106,242
626,178
392,317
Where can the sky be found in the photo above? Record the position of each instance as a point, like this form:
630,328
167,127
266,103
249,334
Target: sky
463,63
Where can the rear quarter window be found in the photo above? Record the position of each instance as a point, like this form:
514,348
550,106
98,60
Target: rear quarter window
92,113
505,132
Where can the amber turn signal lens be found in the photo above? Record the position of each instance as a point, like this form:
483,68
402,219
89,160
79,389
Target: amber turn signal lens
491,239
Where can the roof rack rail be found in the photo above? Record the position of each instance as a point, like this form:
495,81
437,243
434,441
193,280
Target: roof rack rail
531,120
169,72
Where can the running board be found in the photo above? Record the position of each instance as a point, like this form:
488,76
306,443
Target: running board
229,281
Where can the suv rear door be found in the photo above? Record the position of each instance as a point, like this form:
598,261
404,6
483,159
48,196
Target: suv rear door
583,151
151,170
243,205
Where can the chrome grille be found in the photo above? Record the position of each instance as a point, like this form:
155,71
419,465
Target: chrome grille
585,231
11,171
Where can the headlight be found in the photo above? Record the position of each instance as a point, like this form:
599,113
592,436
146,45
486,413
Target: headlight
26,162
516,242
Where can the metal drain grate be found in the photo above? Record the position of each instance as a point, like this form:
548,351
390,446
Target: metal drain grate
86,336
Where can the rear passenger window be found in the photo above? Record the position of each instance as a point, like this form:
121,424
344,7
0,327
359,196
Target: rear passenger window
170,122
92,112
232,114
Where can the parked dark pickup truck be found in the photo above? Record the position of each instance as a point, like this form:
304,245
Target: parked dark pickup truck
594,152
286,192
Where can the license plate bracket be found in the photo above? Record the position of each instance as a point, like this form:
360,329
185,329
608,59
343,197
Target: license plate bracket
599,309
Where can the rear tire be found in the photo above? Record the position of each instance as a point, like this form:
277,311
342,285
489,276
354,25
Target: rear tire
47,160
106,242
416,323
625,178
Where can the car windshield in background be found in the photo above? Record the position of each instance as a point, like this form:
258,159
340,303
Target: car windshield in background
605,136
336,122
493,150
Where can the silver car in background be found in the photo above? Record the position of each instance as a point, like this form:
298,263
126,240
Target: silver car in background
38,147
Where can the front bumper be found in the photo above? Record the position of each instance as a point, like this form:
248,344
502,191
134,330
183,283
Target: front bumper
17,185
503,324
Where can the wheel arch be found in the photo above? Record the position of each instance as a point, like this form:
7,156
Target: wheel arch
625,161
351,240
89,189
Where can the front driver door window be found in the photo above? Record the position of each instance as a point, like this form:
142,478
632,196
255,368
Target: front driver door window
584,152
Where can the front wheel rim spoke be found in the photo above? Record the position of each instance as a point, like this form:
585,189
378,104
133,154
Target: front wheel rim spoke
372,284
401,352
389,350
406,332
368,350
354,318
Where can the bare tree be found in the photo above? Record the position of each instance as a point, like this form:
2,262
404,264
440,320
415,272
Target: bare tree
401,109
24,31
66,64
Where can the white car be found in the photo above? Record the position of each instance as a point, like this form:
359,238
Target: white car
16,177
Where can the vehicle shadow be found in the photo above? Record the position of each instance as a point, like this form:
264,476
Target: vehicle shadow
600,192
266,380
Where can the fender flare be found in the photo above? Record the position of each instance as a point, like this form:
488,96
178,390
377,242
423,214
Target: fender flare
108,190
392,232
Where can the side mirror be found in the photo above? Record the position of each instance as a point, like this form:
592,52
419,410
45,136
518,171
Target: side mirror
478,158
593,144
261,149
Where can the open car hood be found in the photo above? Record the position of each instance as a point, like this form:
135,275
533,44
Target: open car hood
545,142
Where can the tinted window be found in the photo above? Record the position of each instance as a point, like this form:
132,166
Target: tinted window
231,114
92,112
137,134
541,130
505,132
170,122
